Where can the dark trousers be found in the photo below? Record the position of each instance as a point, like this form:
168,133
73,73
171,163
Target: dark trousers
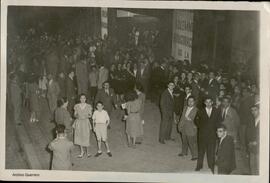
208,146
224,171
191,142
166,126
93,93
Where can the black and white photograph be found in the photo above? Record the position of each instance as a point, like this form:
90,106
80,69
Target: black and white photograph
133,89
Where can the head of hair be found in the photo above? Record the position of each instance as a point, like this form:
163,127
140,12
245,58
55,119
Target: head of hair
139,87
131,96
169,82
191,97
227,98
61,101
60,128
188,86
222,126
106,82
70,71
82,94
208,98
99,102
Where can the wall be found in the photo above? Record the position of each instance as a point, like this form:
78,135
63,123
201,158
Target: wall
224,39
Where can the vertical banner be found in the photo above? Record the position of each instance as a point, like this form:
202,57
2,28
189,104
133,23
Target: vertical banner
104,21
182,34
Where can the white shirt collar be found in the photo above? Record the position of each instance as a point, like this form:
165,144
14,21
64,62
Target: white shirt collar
222,138
171,92
257,120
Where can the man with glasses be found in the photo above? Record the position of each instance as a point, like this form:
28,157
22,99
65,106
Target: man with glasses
225,154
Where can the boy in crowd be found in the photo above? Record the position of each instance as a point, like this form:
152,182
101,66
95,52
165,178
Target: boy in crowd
101,120
61,148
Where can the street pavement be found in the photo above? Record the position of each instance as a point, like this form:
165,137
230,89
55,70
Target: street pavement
150,156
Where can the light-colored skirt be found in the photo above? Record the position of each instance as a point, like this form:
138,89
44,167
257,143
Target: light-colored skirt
82,132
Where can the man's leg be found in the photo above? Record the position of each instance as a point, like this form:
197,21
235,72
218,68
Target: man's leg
169,128
201,152
162,129
184,144
210,152
223,171
192,141
254,163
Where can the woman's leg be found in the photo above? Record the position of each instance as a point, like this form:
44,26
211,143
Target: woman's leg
107,146
99,146
82,152
134,142
129,139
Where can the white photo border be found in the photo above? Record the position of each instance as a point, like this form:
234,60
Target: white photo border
47,175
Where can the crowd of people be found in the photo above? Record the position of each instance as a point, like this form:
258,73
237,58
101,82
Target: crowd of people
84,78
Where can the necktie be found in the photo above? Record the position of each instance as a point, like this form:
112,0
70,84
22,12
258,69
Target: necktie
208,112
223,114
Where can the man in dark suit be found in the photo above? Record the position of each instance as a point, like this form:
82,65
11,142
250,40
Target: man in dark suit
207,120
143,76
253,139
212,88
230,118
225,160
107,96
71,90
167,110
62,84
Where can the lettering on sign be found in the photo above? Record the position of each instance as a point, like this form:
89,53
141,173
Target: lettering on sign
182,34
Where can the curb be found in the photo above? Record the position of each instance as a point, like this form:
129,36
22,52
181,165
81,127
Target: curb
25,143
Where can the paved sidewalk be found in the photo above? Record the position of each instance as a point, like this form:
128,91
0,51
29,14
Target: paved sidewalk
150,156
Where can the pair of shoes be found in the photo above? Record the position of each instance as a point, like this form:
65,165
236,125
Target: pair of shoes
161,141
197,169
89,155
193,159
109,154
98,154
181,154
80,156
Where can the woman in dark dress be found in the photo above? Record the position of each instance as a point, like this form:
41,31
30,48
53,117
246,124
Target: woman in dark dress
62,116
129,80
